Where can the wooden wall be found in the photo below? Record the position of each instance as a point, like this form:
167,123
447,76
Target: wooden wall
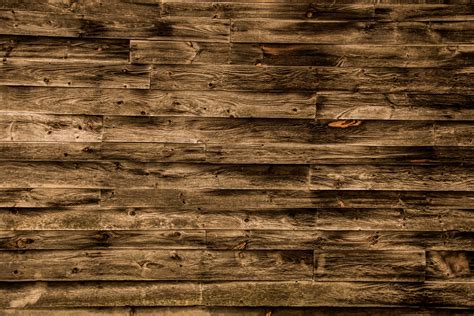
236,158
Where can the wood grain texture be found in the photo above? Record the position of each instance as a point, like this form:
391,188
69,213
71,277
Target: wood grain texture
48,197
140,102
450,265
301,78
446,178
156,265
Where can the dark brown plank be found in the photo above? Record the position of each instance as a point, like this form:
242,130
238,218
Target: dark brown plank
367,177
362,56
92,294
450,266
266,131
170,52
18,22
386,265
49,128
303,78
429,12
118,7
74,75
329,240
157,103
102,239
152,175
48,49
275,199
358,106
134,264
48,197
329,294
454,133
294,31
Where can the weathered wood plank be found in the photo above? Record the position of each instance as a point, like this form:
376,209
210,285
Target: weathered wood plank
93,294
48,197
133,264
74,75
49,128
359,56
275,199
150,175
358,106
18,22
102,239
381,177
47,49
429,12
450,266
267,131
112,311
339,240
304,78
260,10
169,52
294,31
385,265
156,103
329,294
454,133
118,7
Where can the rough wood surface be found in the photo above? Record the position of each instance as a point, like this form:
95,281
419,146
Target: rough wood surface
236,157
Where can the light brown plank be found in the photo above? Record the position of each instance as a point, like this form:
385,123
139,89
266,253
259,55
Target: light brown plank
266,131
74,75
358,106
329,294
294,31
101,239
360,56
48,197
46,49
367,177
386,265
329,240
49,128
93,294
152,175
157,103
454,133
304,78
133,264
18,22
450,266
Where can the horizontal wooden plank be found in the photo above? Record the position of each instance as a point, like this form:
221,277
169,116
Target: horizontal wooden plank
96,311
275,199
133,264
315,32
329,294
74,75
49,197
93,294
179,215
48,49
305,78
358,106
427,12
156,103
385,265
267,131
118,7
18,22
450,266
360,56
329,240
101,239
49,128
172,52
370,177
459,134
150,175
